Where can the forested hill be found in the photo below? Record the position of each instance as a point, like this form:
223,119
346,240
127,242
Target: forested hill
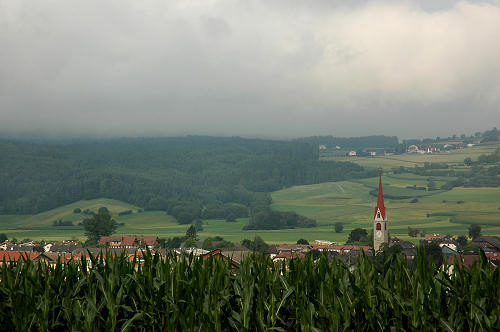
187,176
382,142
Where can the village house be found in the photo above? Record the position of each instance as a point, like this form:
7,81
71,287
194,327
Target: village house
407,247
232,257
467,260
447,250
340,249
236,256
422,150
14,256
191,251
62,246
488,243
434,237
26,247
288,255
323,242
129,241
433,149
293,248
413,149
6,244
449,246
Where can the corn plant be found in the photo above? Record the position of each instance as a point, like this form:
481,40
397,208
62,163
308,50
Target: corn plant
186,293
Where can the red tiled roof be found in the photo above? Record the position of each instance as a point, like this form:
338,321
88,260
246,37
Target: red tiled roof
468,260
340,248
129,240
492,255
215,252
150,240
11,256
106,239
289,255
490,240
430,237
380,202
286,246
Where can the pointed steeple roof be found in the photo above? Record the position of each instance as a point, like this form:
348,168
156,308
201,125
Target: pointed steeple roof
380,202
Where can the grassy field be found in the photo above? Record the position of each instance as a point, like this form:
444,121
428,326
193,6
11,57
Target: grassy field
445,212
39,226
448,212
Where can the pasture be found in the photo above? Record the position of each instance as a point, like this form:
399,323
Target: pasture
444,212
349,202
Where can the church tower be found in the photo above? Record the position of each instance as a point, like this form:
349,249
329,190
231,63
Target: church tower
380,232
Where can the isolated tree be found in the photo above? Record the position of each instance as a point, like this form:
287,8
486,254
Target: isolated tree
468,161
3,237
432,251
174,242
431,185
103,209
257,245
339,227
357,235
302,241
191,237
100,224
474,231
77,210
386,252
191,233
413,232
198,225
462,240
208,244
231,217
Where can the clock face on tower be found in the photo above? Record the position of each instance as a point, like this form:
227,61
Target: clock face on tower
379,234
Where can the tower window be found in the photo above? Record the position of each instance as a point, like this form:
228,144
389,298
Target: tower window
379,226
378,214
385,226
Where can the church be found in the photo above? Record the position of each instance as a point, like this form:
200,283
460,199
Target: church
380,231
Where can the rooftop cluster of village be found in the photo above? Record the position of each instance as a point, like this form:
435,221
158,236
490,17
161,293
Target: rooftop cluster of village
133,246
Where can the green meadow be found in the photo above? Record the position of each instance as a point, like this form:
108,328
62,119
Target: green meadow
444,212
349,202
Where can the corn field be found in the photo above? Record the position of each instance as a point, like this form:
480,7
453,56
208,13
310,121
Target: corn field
190,294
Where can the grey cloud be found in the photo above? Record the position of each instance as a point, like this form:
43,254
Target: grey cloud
250,68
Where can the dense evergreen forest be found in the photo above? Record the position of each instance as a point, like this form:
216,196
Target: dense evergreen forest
189,177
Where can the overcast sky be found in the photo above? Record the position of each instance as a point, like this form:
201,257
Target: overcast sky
249,68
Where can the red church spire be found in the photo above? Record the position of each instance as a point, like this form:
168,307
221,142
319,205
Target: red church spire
380,202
